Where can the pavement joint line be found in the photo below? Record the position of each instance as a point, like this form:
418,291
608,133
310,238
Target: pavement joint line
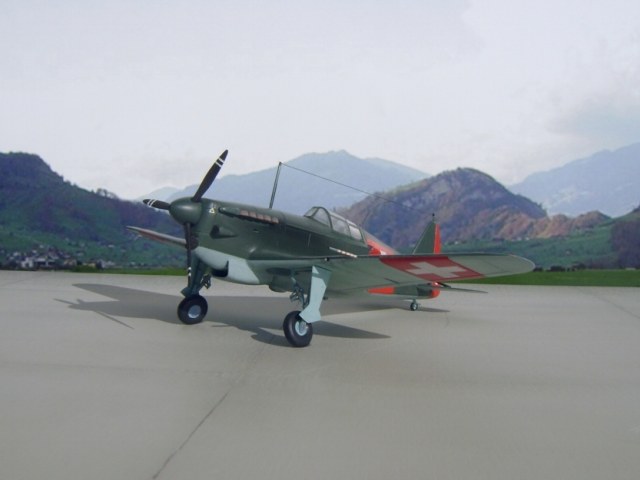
190,436
252,361
595,293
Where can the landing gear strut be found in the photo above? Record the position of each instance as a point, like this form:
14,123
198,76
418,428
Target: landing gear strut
193,308
297,325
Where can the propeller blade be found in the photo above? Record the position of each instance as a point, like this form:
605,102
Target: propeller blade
209,177
159,204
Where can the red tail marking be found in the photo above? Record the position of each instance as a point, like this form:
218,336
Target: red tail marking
437,245
383,290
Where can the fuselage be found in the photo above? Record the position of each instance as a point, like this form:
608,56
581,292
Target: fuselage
233,238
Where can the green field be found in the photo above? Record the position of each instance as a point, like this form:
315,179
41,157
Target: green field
133,251
591,248
584,278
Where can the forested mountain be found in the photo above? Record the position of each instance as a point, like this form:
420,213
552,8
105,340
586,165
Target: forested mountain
625,239
477,213
467,203
39,209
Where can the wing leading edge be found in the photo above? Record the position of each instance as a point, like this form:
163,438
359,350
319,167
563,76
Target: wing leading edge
160,237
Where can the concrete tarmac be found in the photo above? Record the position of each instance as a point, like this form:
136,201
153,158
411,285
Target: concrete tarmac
100,381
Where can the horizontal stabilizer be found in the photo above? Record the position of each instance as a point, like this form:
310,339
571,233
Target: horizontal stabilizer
430,290
448,288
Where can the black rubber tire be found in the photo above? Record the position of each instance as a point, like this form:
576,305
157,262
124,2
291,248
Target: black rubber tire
192,310
414,306
297,331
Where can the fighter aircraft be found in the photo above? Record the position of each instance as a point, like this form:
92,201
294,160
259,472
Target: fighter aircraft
314,256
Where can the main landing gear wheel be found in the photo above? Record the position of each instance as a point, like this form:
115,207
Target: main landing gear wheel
297,331
414,306
192,310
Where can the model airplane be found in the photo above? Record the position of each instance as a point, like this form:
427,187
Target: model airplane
313,256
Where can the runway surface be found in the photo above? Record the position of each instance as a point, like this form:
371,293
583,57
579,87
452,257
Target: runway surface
99,380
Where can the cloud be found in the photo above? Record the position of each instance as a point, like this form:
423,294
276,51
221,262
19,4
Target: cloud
607,111
600,101
607,119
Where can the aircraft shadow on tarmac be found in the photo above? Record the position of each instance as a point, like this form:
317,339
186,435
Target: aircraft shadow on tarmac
252,314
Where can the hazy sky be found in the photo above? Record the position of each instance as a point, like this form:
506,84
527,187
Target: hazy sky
136,95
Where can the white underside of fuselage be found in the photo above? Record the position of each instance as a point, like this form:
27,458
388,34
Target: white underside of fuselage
238,268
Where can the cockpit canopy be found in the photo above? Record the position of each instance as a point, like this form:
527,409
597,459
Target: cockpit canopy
336,222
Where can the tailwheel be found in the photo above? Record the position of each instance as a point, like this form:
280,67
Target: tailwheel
192,310
297,331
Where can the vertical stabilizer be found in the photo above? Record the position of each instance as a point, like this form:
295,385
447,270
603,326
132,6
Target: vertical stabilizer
429,243
430,240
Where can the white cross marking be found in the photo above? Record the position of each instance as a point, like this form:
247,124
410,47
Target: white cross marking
426,268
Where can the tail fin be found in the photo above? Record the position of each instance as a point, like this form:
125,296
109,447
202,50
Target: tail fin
429,243
430,240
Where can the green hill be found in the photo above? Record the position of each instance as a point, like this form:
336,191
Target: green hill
612,244
41,212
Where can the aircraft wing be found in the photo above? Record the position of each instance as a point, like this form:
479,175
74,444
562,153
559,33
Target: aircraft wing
399,270
159,237
366,272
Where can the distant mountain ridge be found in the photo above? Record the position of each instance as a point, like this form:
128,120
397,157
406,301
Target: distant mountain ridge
298,191
608,181
468,204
